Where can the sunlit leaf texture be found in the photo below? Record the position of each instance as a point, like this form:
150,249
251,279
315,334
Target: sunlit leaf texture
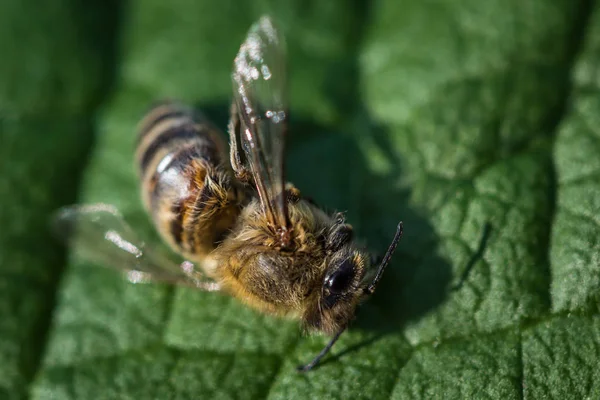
477,123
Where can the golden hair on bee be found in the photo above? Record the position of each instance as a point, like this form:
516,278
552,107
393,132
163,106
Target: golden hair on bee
241,227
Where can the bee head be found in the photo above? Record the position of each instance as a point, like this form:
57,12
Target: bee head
342,284
341,291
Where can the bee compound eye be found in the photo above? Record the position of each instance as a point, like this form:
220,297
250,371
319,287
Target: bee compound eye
339,281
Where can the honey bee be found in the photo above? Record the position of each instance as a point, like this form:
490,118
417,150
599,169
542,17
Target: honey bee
240,227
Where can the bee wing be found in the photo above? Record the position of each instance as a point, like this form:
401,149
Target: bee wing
260,98
100,234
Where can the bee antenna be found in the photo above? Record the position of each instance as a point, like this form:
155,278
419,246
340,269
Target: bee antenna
386,260
315,361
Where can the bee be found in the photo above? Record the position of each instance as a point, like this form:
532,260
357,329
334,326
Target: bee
242,229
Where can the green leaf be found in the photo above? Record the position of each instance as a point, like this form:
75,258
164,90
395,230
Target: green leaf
53,75
476,123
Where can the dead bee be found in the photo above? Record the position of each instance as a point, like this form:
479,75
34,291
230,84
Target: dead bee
252,235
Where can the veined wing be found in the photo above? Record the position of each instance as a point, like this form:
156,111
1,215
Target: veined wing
100,234
260,96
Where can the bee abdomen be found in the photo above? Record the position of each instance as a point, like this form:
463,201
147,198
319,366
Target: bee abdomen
169,127
179,152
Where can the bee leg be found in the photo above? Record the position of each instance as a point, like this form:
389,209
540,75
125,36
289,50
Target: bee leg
292,193
322,353
339,234
236,153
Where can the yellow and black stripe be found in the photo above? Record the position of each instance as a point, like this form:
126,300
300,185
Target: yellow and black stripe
185,185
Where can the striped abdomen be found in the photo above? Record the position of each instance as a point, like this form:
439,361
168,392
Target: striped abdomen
187,186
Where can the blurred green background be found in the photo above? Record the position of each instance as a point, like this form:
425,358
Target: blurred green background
476,123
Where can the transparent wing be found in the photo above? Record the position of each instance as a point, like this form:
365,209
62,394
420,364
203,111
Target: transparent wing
261,100
99,233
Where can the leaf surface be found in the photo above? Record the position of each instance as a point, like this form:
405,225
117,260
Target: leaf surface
476,123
